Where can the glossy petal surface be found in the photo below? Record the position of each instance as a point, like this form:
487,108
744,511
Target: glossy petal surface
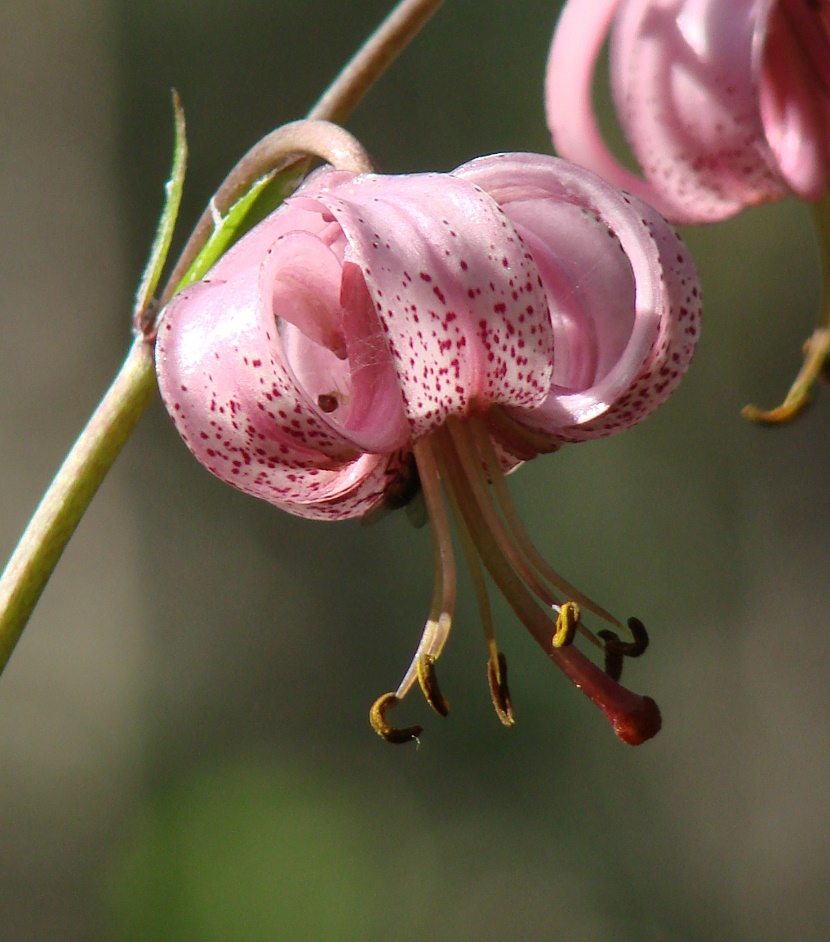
360,316
622,291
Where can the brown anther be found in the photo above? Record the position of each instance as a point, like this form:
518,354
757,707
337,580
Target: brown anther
497,675
429,685
640,636
394,734
566,625
616,649
613,654
404,486
327,402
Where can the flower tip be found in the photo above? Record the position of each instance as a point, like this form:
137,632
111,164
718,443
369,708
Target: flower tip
780,415
384,729
639,724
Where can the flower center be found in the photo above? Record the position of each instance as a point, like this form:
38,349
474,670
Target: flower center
460,468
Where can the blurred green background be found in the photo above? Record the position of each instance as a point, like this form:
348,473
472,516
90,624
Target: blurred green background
184,752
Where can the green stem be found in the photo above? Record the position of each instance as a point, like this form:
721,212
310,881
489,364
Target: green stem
71,492
370,62
112,423
817,347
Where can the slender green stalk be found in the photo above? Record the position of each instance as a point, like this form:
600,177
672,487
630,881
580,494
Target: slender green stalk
370,62
98,445
71,492
817,346
167,222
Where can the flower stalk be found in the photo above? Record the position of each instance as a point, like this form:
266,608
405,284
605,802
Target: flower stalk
817,346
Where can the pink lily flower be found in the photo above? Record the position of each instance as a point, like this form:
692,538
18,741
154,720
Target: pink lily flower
378,335
725,103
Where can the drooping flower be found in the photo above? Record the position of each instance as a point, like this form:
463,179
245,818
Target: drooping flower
379,335
725,103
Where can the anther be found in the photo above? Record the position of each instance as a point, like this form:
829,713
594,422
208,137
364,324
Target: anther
640,636
567,622
616,649
394,734
497,675
429,684
401,489
627,648
613,654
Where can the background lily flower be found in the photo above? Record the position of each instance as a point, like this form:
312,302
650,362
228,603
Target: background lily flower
725,103
379,334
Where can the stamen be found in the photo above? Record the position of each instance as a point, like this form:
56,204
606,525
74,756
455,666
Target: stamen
474,567
817,347
635,648
470,492
497,664
429,685
469,465
613,660
566,625
523,541
437,628
640,636
634,718
497,675
393,734
616,649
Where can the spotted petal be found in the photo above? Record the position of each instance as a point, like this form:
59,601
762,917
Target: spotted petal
239,413
622,292
456,292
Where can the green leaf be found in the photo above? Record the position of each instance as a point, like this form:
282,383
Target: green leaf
264,196
167,222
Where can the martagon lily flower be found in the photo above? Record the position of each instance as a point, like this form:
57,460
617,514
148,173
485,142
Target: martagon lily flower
725,104
382,335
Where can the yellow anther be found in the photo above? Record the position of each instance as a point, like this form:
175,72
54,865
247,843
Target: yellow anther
429,685
497,675
394,734
566,624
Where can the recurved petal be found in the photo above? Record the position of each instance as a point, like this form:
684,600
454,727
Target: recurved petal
793,43
455,290
687,97
686,91
232,403
622,291
631,392
578,40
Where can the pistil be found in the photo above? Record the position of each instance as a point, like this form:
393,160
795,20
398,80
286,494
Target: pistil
459,457
634,718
